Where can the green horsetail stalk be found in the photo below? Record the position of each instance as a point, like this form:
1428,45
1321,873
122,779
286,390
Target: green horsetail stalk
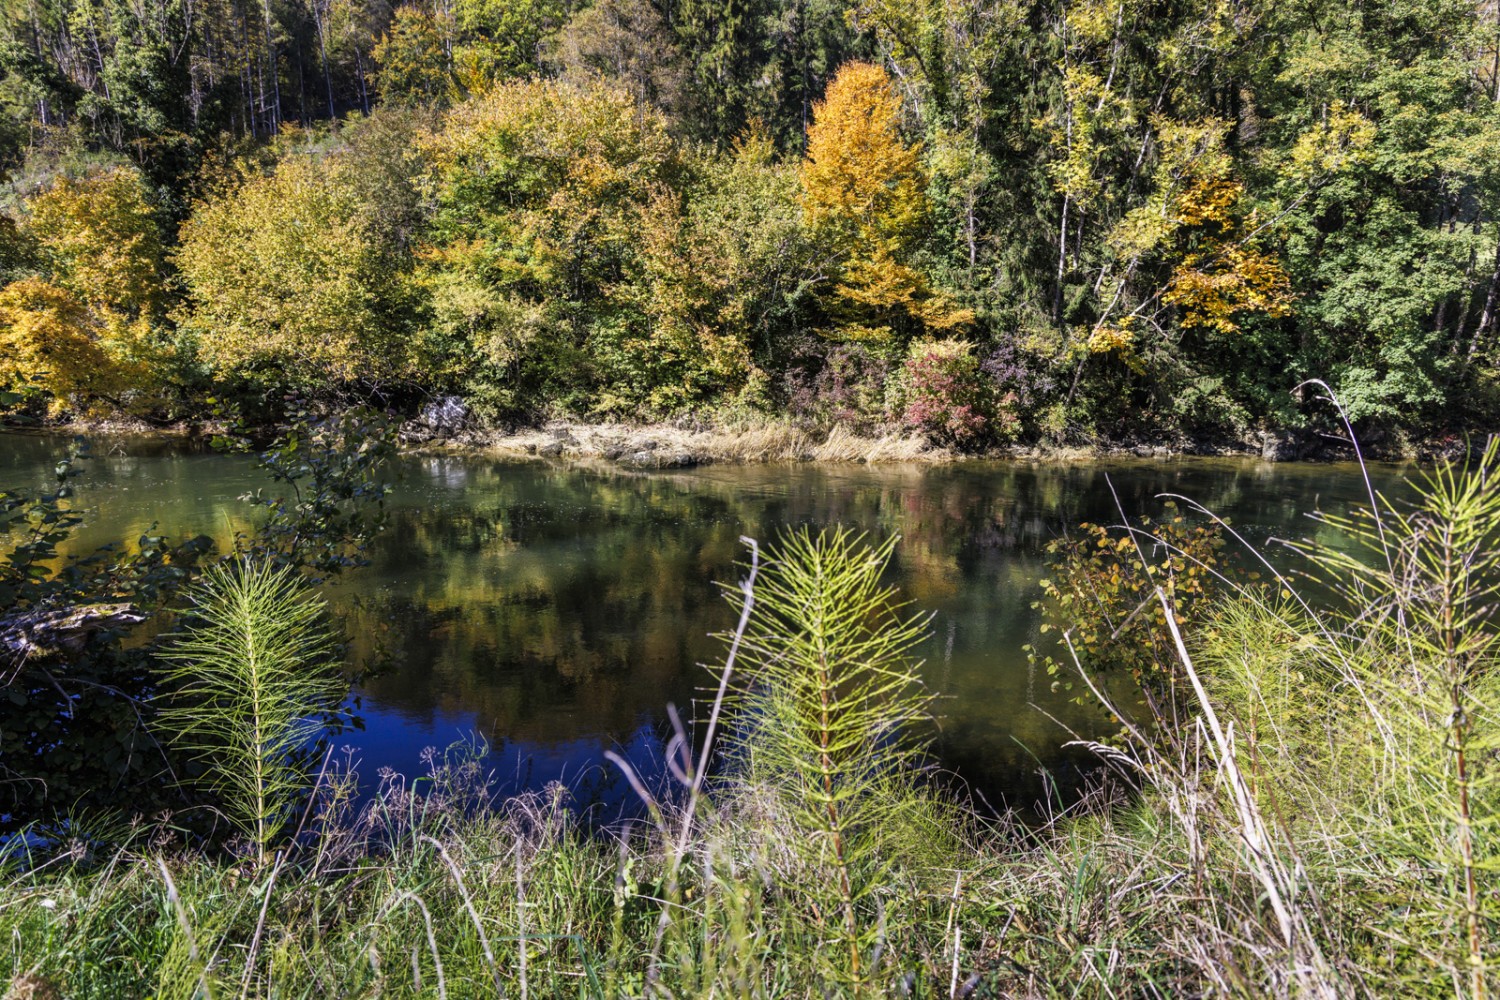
833,701
245,679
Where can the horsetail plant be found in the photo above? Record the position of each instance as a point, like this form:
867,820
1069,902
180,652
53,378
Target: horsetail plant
829,716
245,680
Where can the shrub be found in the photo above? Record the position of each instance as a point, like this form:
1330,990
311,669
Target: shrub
1100,598
839,383
942,392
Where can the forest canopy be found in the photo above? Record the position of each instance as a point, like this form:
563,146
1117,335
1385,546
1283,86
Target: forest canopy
983,219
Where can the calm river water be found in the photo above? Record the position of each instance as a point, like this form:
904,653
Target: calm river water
554,611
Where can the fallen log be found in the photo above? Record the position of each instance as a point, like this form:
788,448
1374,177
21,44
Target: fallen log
45,632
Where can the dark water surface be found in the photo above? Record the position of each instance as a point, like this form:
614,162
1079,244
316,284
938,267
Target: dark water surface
554,611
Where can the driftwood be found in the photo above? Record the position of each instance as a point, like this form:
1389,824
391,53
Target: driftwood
29,634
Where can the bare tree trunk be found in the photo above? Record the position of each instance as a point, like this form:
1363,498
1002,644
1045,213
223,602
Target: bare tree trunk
1062,263
364,91
1491,299
275,71
319,22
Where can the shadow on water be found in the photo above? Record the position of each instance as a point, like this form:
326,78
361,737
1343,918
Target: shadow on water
553,612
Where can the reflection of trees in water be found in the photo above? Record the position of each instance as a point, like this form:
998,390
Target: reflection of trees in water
556,603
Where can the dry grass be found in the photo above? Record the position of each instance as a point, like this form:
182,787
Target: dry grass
744,443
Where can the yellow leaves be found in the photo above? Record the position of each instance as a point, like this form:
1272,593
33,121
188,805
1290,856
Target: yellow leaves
1112,337
864,190
1078,128
1092,21
1222,273
1209,202
1214,287
1343,138
1190,186
682,290
285,269
49,338
85,330
101,235
858,171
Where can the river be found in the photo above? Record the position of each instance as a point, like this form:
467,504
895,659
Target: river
553,611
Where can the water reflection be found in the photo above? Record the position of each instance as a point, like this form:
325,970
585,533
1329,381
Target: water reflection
554,611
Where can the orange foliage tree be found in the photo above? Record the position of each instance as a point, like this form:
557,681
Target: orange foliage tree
864,194
48,341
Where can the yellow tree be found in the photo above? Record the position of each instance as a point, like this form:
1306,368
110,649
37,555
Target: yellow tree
287,282
1195,219
864,193
85,328
49,341
100,236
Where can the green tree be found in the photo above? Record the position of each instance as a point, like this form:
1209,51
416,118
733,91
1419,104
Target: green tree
415,58
287,283
538,191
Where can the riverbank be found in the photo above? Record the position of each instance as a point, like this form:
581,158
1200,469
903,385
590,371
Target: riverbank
696,441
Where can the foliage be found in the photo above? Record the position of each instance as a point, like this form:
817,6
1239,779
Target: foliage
81,327
538,188
414,58
51,344
1100,600
286,283
942,391
72,736
244,679
99,235
334,468
863,192
1176,215
839,383
1419,644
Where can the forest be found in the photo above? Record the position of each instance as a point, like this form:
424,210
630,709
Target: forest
981,220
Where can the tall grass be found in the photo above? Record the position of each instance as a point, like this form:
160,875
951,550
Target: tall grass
1319,824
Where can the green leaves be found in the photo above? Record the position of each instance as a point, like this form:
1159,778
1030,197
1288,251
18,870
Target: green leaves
288,283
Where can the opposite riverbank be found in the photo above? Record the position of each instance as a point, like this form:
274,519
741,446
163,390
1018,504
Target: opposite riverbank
692,442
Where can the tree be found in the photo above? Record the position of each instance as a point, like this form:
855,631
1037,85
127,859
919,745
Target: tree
538,190
82,326
415,58
287,284
504,39
51,345
863,193
99,235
